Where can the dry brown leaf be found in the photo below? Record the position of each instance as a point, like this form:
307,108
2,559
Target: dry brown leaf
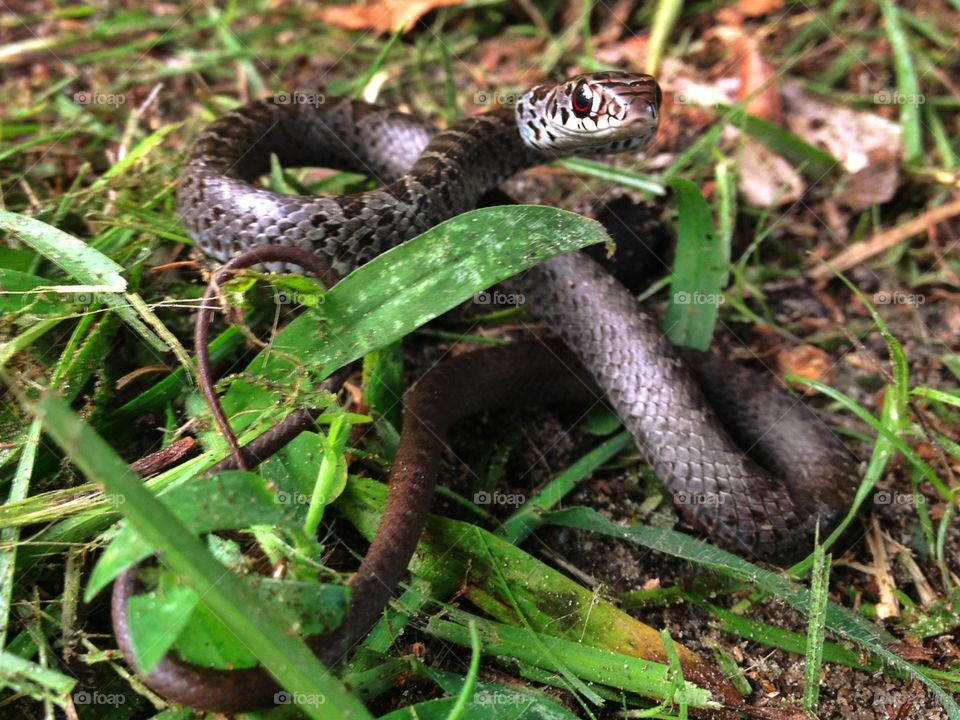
757,8
866,144
951,318
757,80
765,178
875,183
382,16
806,361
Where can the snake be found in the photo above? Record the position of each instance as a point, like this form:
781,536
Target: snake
745,462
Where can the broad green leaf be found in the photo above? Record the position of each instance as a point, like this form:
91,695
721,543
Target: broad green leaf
405,287
94,270
100,278
228,500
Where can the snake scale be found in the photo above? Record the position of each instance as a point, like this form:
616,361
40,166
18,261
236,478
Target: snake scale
692,415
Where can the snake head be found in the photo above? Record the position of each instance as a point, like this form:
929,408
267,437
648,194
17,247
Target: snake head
596,113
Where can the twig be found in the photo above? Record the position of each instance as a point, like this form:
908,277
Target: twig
866,249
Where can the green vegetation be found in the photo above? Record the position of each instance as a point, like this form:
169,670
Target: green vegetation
99,284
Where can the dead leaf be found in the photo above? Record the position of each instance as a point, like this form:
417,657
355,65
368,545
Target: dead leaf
757,8
951,318
765,178
876,183
866,144
382,16
757,80
806,361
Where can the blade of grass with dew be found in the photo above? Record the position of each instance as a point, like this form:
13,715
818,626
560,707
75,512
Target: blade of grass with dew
593,665
813,657
883,449
891,417
678,687
774,637
34,680
938,395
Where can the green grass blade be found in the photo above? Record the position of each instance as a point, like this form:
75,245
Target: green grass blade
908,85
664,20
837,618
700,271
819,587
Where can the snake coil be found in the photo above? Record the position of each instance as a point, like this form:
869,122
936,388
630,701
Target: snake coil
691,415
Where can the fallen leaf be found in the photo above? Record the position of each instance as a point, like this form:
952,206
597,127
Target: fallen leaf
758,8
866,144
757,80
806,361
382,16
765,178
875,183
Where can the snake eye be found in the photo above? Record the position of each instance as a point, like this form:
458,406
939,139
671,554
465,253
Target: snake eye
582,100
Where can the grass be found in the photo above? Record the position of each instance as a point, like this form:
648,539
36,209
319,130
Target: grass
95,313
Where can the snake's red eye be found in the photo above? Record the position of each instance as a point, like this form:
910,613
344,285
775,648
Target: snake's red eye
582,100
